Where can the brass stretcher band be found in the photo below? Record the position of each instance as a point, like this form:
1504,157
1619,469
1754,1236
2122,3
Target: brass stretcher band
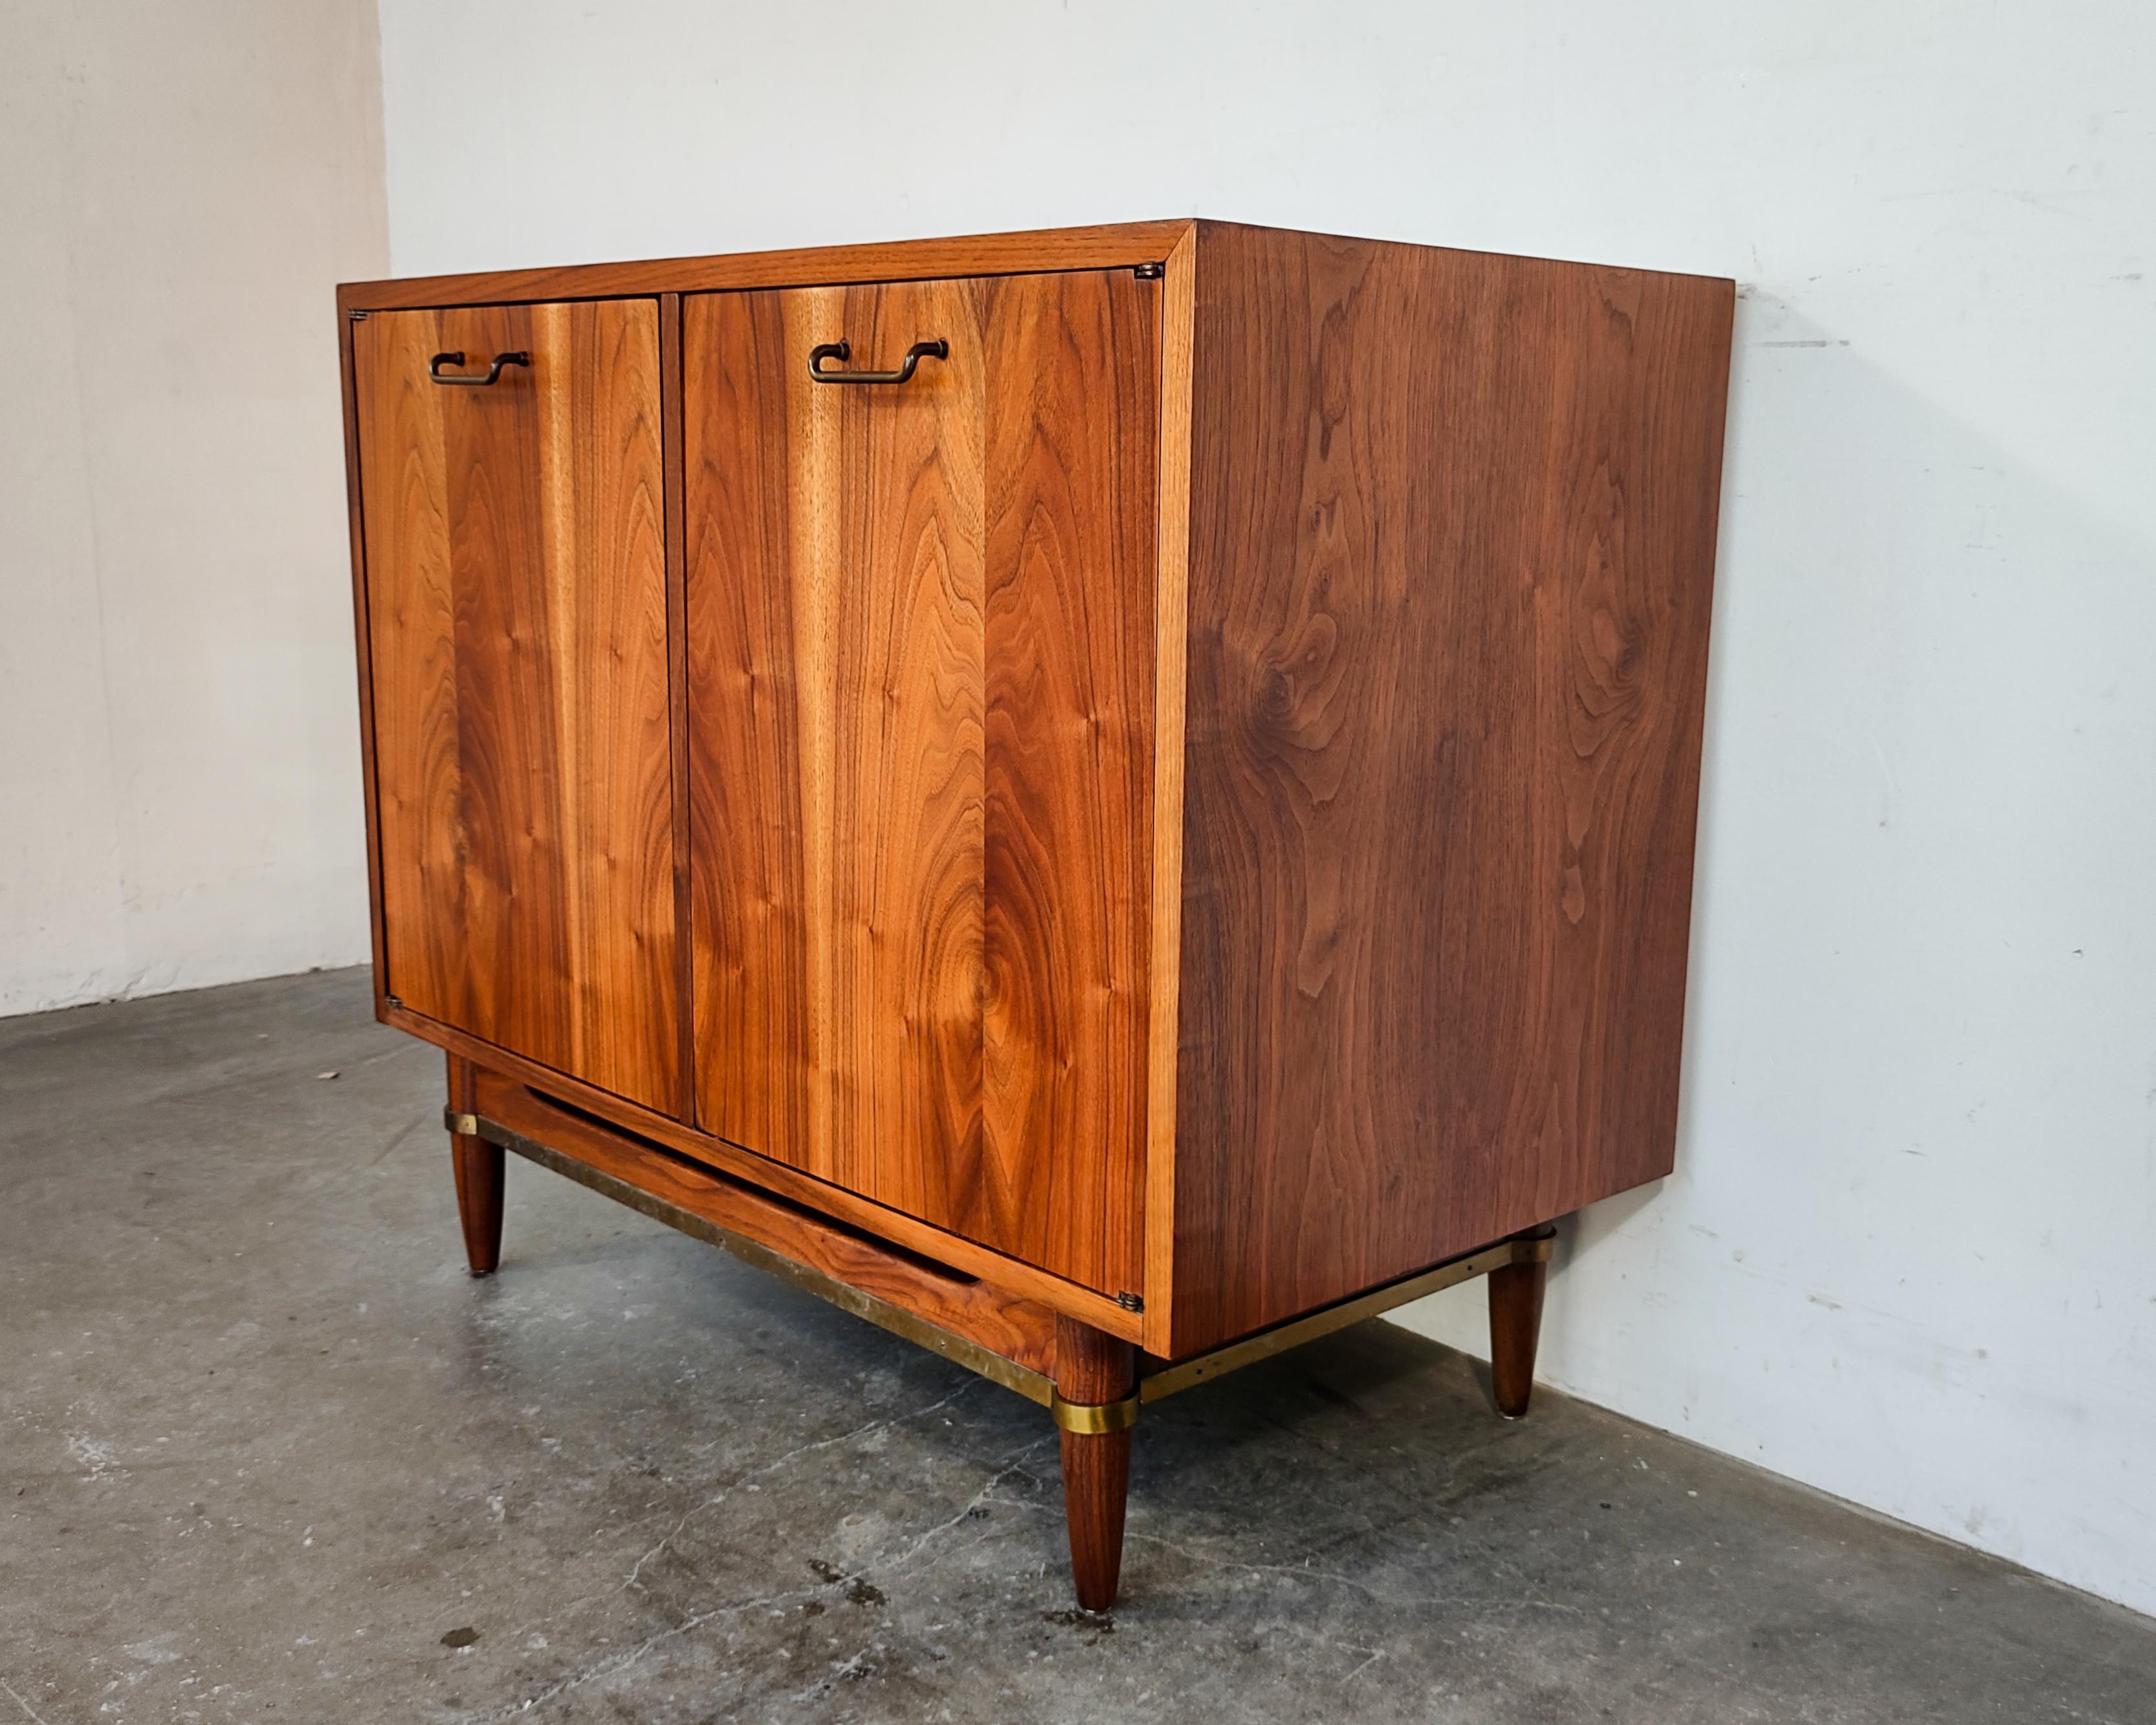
1090,1419
1095,1419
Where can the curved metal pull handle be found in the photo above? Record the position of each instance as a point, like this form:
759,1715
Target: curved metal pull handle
839,350
493,371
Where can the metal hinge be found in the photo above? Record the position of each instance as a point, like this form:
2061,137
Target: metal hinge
391,1000
1131,1302
356,315
1150,272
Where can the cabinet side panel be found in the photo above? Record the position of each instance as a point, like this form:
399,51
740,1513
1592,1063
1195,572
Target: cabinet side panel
1452,538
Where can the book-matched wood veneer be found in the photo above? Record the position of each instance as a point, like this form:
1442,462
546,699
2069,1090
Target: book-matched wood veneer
1181,810
920,705
516,625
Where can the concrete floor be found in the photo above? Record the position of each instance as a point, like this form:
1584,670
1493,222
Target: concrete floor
266,1452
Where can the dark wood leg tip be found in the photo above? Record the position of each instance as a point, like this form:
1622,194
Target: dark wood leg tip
1097,1472
1093,1369
1515,1320
478,1166
478,1172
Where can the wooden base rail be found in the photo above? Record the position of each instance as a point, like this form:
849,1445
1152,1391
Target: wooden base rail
987,1328
1093,1385
701,1218
699,1202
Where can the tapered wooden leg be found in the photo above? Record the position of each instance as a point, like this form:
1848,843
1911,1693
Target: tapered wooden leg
1516,1323
478,1166
1094,1369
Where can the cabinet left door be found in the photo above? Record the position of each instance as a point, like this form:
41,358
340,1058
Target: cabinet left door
516,618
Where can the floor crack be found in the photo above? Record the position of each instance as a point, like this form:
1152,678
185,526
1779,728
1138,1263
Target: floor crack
773,1466
616,1662
18,1701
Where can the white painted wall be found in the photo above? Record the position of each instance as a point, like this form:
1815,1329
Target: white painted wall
1909,1247
180,189
1910,1254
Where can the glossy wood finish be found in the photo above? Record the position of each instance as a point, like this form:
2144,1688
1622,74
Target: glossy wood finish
477,1166
1515,1324
1190,799
1404,718
1452,521
920,692
995,1317
1093,1367
677,705
516,605
1171,681
1116,245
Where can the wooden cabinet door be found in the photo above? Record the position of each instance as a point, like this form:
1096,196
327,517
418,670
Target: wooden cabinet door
921,689
517,622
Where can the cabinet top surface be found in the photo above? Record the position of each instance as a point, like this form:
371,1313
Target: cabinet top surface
1111,246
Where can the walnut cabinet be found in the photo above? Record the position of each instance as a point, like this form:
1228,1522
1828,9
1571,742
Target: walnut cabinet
1110,799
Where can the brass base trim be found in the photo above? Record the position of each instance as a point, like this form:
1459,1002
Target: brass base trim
1088,1418
1095,1419
1034,1386
1202,1368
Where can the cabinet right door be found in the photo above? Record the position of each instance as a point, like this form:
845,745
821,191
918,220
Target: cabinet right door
921,699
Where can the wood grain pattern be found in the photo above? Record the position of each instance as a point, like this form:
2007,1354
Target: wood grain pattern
1353,937
935,1243
996,1318
1451,542
677,695
1170,627
517,612
1115,245
920,692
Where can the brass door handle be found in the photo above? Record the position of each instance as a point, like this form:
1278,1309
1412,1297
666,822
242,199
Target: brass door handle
839,350
493,371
